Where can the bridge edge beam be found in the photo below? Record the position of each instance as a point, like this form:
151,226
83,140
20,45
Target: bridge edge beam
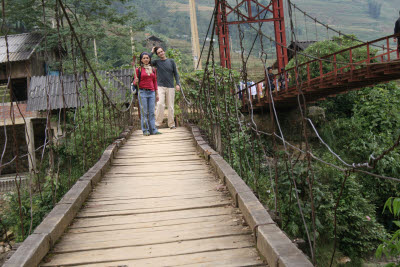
271,242
38,244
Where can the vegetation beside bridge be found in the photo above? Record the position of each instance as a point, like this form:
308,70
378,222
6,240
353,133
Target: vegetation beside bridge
358,127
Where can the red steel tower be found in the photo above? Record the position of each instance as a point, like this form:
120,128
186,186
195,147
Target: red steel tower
228,14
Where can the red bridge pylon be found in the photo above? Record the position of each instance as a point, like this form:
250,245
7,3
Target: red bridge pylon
227,15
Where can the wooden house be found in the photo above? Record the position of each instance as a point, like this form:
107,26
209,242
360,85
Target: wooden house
24,60
153,41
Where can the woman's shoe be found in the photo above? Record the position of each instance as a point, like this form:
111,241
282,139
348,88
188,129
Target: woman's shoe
146,134
157,133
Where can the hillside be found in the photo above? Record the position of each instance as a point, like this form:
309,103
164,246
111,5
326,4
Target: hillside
171,20
171,17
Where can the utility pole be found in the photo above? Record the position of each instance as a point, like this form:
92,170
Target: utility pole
95,50
132,42
195,36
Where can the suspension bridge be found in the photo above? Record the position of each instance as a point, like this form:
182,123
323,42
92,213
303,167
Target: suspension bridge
336,77
197,195
157,207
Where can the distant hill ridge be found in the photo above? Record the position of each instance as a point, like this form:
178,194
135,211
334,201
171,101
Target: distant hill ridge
349,16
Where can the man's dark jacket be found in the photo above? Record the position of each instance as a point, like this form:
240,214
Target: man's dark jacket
397,27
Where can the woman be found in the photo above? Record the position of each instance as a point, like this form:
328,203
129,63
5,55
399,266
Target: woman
146,80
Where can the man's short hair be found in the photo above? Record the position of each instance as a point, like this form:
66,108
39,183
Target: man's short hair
156,49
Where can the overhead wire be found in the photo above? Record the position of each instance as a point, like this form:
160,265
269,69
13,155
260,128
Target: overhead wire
323,58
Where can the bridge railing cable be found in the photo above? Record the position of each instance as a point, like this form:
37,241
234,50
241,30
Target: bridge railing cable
265,158
73,132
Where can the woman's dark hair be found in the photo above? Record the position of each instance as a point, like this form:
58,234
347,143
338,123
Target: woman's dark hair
141,56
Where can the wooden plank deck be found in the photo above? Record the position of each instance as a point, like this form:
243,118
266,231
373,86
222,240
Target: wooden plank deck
159,205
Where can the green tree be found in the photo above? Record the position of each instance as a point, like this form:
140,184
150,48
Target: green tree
108,22
391,248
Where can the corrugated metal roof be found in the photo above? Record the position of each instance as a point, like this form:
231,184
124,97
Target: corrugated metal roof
39,85
20,46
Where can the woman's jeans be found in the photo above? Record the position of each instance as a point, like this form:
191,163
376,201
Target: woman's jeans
147,101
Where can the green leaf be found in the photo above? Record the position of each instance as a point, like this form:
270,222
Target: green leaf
379,250
396,206
388,204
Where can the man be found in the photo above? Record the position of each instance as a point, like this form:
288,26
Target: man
253,90
166,71
271,79
397,31
282,80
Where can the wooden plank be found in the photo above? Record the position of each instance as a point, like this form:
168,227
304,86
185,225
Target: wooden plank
232,257
159,159
156,151
153,170
223,218
151,251
165,144
150,203
155,181
159,154
134,238
98,196
204,171
151,218
187,141
131,201
160,165
187,137
145,192
176,177
140,181
152,209
145,145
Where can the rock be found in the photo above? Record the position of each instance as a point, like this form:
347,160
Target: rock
344,260
301,244
221,188
274,216
10,234
316,114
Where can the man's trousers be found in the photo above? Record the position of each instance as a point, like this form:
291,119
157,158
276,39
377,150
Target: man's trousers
167,95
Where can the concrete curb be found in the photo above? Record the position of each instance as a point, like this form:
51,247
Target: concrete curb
37,245
276,248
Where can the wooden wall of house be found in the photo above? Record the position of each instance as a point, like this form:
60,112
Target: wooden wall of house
24,69
37,67
23,165
18,70
39,132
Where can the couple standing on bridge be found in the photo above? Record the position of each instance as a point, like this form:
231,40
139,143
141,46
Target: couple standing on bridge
156,84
